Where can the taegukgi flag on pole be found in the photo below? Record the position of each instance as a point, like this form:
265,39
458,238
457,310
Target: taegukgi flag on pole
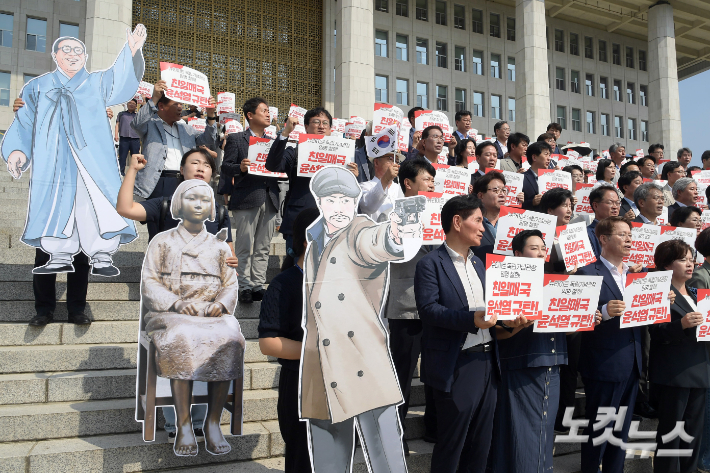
382,143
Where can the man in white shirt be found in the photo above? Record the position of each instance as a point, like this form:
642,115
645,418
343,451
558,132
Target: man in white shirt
379,194
649,200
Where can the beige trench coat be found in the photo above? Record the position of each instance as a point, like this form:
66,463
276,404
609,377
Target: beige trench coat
346,367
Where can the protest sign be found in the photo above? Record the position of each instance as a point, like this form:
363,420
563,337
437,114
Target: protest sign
273,114
575,246
270,131
353,130
513,221
705,218
258,151
645,238
646,299
557,157
185,85
663,218
702,333
386,116
583,207
226,103
452,180
472,133
678,233
297,112
145,89
338,125
639,153
702,178
317,151
431,218
403,137
426,118
298,130
550,178
514,184
569,303
514,287
198,124
661,163
592,166
233,126
443,156
227,117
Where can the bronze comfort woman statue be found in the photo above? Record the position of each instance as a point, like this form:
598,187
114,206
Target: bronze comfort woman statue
188,296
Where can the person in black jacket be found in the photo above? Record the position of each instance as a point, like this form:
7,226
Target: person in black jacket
254,203
679,366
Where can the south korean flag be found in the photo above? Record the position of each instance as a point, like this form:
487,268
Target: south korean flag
382,143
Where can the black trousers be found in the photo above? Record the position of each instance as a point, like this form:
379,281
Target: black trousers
126,144
568,378
405,347
293,431
679,404
465,416
644,394
77,284
164,188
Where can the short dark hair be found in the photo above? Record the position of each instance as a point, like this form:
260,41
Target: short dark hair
314,112
55,46
460,147
670,166
411,168
606,226
598,194
252,104
461,205
516,138
705,156
519,240
693,168
625,166
412,111
545,136
654,147
499,125
554,126
303,220
627,178
462,113
641,161
536,149
573,167
707,196
702,243
483,145
427,130
133,100
554,198
208,156
669,251
601,167
164,100
684,150
481,185
681,214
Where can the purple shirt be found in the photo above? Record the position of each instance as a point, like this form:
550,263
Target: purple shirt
124,120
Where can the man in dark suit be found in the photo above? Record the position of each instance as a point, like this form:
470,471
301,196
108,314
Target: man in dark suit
538,155
254,204
605,203
459,350
649,200
685,193
502,132
628,182
486,157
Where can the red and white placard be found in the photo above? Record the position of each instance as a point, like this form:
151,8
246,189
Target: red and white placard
646,299
338,125
514,287
575,246
431,219
687,235
258,151
386,116
514,184
353,130
550,178
185,85
645,238
297,112
427,118
273,114
452,180
198,124
226,102
316,151
569,303
145,89
702,333
583,207
513,221
403,137
702,178
233,126
663,218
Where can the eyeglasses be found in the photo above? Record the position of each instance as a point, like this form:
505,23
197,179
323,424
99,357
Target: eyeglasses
499,190
436,137
623,236
613,203
320,122
78,50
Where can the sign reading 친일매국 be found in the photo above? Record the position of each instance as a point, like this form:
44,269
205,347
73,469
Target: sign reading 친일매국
258,151
646,299
551,178
644,240
431,218
185,85
575,245
452,180
569,303
316,151
514,287
513,221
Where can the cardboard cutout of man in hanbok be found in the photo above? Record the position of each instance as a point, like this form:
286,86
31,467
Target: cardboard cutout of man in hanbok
62,132
347,375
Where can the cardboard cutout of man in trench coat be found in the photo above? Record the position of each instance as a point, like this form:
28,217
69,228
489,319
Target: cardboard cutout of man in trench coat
62,132
347,375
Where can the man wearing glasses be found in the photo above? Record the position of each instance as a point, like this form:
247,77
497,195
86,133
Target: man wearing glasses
429,144
463,124
649,200
605,203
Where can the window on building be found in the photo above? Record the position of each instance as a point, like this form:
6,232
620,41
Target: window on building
617,90
495,25
602,51
477,21
381,89
382,5
441,98
460,17
618,126
576,119
511,109
477,104
402,92
562,116
559,78
402,42
511,68
644,130
630,57
603,87
589,84
495,107
4,89
440,13
588,47
66,29
380,43
460,99
559,41
36,35
574,44
643,95
642,61
401,8
632,129
574,82
631,92
422,51
616,54
495,66
478,62
510,23
460,58
604,123
422,94
441,55
590,123
28,77
422,10
6,29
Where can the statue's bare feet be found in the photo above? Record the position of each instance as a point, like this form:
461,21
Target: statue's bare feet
214,440
185,443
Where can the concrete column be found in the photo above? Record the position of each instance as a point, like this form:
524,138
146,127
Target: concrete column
355,59
328,85
106,24
664,101
532,92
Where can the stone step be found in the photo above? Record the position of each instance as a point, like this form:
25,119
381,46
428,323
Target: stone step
98,291
52,358
26,255
23,272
